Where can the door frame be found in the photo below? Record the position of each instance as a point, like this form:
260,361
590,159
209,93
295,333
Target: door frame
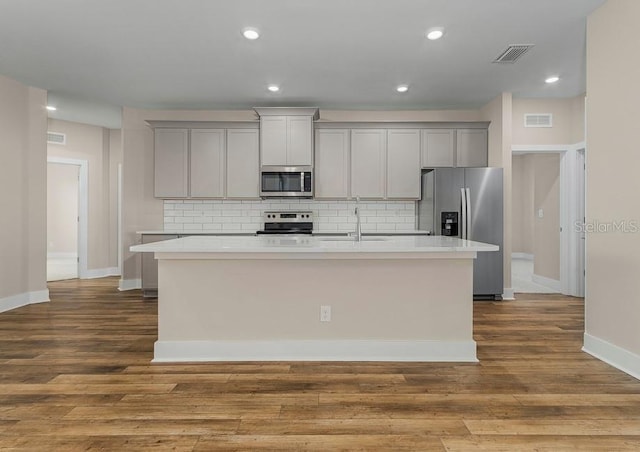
83,209
570,238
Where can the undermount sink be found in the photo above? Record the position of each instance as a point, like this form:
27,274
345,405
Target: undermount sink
351,239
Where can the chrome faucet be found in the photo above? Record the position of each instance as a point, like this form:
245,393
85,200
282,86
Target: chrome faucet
358,234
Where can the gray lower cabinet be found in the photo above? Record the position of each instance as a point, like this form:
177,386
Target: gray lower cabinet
150,264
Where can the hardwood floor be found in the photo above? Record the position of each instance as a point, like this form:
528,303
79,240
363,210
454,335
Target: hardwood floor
76,376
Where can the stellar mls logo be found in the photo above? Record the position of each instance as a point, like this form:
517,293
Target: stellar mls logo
623,226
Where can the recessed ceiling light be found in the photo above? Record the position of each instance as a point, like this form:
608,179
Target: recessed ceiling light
51,108
273,88
553,79
250,33
435,33
402,88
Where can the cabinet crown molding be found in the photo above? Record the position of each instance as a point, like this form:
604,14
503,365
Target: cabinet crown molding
401,125
314,112
163,124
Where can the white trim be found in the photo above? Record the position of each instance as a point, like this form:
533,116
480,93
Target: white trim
618,357
62,255
542,148
547,282
102,272
508,294
23,299
119,220
130,284
525,256
315,350
83,209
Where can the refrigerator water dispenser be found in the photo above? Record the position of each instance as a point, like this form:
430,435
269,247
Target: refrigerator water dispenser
449,223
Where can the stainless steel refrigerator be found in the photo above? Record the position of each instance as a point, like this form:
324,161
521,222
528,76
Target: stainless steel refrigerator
467,203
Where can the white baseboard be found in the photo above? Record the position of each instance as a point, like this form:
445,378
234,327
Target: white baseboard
508,294
101,273
553,284
23,299
618,357
62,255
525,256
316,350
130,284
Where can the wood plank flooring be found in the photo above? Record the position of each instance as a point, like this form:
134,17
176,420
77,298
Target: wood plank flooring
76,375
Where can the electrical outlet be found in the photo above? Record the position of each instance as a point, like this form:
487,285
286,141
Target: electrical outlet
325,313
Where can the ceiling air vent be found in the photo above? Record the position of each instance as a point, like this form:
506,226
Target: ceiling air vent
512,53
538,120
56,138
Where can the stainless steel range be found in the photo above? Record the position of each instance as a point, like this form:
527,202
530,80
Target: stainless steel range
290,222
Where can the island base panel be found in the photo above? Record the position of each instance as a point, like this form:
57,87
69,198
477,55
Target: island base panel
381,310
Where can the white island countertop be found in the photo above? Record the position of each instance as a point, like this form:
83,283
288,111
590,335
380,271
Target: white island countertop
313,247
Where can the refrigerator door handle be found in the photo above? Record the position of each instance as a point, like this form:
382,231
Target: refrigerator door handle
468,213
463,208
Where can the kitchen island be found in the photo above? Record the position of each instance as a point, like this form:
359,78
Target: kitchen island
262,298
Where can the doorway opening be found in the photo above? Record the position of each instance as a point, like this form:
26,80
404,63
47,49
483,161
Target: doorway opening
536,223
548,205
66,218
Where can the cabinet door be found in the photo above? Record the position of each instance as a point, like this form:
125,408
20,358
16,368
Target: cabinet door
207,163
273,140
438,148
332,163
170,165
403,164
243,163
299,140
471,148
368,168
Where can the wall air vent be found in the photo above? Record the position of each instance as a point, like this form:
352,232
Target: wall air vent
56,138
512,53
538,120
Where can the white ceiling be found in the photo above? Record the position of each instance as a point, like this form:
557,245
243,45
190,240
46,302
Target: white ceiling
95,56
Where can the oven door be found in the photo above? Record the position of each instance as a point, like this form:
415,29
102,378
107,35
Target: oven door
286,181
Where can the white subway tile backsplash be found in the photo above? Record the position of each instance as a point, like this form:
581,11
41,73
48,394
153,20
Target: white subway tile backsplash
193,227
247,215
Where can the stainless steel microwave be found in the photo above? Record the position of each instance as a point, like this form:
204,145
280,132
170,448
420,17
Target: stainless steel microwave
286,181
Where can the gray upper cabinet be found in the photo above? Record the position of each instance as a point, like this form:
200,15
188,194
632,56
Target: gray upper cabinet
286,136
242,176
215,163
471,148
403,164
438,148
332,164
286,140
368,163
273,140
299,141
207,163
171,167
